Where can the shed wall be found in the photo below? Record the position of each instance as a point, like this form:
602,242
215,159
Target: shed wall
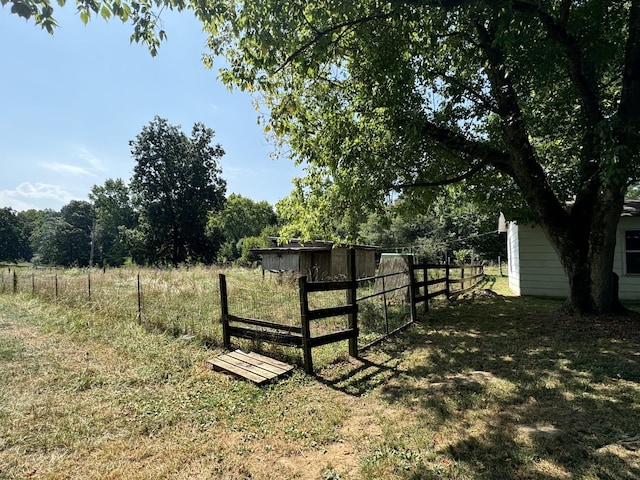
365,262
281,261
540,270
315,264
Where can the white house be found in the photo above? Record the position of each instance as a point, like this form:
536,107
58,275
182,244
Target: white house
535,269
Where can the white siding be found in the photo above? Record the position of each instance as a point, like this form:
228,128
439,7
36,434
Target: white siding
534,266
513,257
629,283
539,267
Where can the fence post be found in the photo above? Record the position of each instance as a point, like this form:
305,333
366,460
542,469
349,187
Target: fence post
15,281
55,283
352,299
384,306
412,288
33,284
462,276
89,284
139,299
304,323
224,307
447,288
425,277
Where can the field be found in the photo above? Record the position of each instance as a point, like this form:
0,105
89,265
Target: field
492,387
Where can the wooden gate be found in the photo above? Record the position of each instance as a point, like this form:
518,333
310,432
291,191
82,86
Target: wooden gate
298,336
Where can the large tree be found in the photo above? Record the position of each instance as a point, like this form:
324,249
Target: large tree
543,95
176,183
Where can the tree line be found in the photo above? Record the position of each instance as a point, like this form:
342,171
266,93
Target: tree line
175,210
172,211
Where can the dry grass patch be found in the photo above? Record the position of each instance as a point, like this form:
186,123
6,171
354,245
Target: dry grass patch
487,388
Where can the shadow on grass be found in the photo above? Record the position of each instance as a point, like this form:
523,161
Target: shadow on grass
517,389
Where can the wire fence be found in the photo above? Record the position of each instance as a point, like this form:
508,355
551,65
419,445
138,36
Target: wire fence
186,301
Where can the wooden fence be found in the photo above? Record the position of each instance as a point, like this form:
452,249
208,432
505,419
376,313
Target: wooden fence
300,336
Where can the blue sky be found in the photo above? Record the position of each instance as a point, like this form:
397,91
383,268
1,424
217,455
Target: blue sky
70,103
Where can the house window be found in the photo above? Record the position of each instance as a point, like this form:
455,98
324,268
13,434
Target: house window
632,250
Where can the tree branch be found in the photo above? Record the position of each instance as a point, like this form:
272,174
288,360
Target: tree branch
447,181
458,144
578,67
326,32
629,108
319,34
479,97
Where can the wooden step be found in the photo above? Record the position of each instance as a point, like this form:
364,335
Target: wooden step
250,366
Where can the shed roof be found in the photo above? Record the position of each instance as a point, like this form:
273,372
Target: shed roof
281,250
296,245
630,208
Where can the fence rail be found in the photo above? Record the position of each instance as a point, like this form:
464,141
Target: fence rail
301,336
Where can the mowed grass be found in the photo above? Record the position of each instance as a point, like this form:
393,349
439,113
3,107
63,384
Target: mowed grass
493,387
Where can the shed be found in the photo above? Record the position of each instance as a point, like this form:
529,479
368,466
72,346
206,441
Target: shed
319,260
535,269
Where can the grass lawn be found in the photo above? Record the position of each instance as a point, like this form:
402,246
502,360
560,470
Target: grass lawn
491,387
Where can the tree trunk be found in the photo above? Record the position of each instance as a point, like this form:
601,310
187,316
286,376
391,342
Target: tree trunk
586,248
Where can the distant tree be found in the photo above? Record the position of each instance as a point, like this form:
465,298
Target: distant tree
394,229
246,244
240,218
64,238
29,221
14,245
448,226
49,240
470,225
114,216
176,184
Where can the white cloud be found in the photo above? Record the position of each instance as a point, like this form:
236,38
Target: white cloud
38,196
94,162
89,166
68,169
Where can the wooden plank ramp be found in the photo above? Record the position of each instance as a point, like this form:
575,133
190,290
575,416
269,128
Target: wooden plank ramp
251,366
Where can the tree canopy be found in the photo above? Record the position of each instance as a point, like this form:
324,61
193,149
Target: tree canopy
240,219
176,184
115,216
531,102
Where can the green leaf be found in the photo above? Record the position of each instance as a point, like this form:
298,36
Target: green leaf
125,12
22,10
105,12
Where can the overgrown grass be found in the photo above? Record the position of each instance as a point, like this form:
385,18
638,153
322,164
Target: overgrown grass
488,387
